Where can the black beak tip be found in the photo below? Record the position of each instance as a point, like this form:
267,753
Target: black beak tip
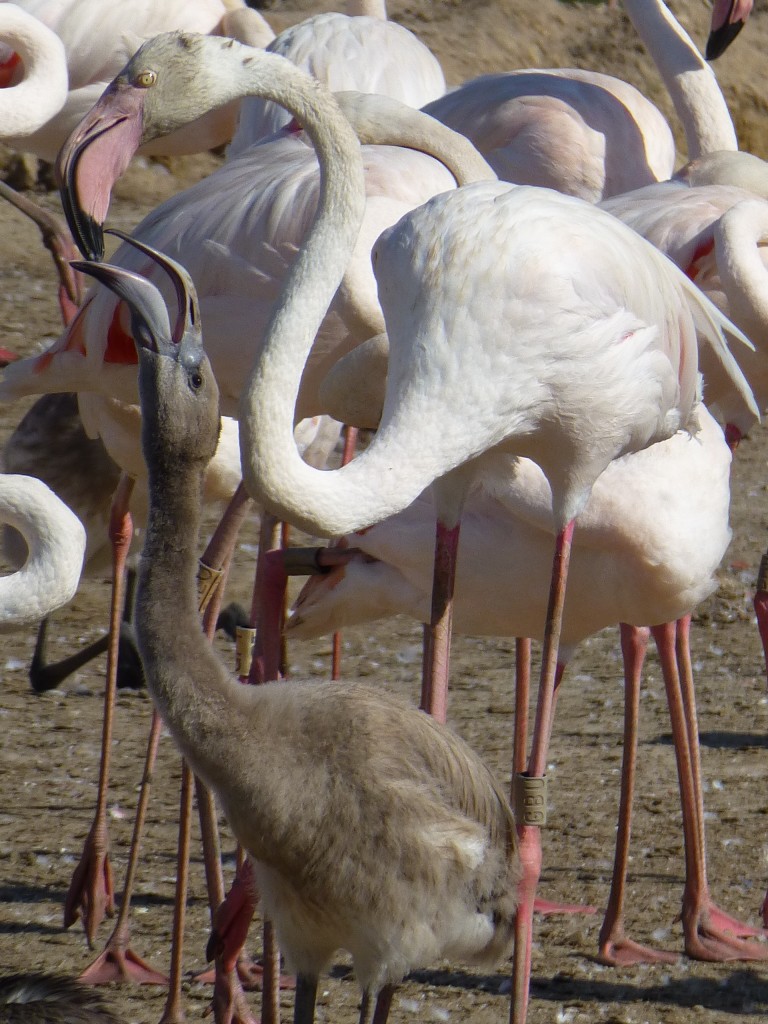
721,39
89,236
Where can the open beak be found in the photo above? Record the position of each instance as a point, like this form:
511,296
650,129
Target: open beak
92,159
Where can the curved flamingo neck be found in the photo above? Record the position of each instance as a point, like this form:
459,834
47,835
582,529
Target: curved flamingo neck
55,539
24,108
691,83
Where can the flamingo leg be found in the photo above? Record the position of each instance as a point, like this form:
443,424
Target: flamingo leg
614,948
437,636
383,1004
706,930
529,833
306,996
91,891
519,748
118,962
173,1012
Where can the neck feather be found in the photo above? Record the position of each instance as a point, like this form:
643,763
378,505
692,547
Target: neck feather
691,83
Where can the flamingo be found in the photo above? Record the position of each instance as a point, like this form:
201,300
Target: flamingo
358,50
728,19
602,360
589,134
410,853
98,40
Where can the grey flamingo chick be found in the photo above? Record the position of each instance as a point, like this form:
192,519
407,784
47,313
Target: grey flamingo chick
50,999
369,826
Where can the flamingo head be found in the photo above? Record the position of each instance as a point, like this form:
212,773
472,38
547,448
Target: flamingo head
177,389
164,86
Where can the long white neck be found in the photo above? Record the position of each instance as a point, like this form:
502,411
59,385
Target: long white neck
55,539
691,83
41,93
275,475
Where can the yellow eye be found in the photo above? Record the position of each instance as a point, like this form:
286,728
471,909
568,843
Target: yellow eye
145,79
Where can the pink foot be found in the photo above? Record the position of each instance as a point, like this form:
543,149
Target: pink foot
119,963
91,893
619,951
714,936
545,907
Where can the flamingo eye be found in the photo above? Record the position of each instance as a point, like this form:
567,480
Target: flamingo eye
145,79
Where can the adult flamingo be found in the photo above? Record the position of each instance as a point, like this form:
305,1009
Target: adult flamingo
589,134
410,853
631,344
98,40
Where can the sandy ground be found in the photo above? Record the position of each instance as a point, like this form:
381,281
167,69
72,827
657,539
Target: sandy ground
49,745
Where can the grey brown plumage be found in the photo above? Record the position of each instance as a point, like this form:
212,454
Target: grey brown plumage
51,999
371,827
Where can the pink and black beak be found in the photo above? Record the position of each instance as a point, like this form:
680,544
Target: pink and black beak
150,324
92,159
728,19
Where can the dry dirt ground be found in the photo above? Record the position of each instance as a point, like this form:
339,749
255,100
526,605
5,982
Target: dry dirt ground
49,745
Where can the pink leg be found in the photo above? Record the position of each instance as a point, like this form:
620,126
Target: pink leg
529,829
522,696
91,891
437,637
118,962
614,948
708,935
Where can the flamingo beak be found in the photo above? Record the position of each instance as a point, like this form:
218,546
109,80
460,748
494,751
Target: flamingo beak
92,159
150,326
728,19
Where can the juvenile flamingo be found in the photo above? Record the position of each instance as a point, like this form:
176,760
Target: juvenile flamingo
369,826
